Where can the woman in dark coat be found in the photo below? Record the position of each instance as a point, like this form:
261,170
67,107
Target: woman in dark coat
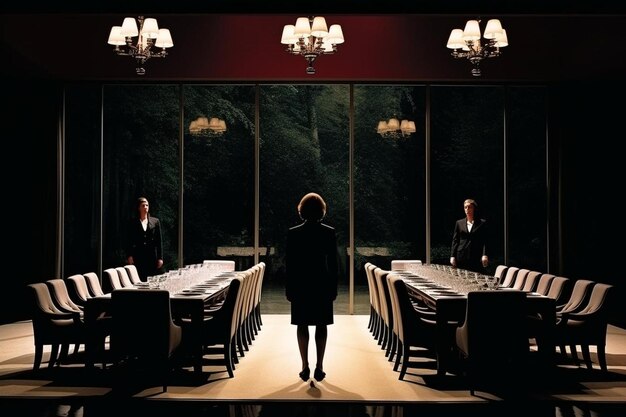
312,272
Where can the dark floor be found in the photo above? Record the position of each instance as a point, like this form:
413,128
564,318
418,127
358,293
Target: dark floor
111,406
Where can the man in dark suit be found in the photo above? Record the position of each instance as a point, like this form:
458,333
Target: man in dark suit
469,241
145,248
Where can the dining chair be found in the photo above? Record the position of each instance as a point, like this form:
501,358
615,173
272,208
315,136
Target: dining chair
133,274
124,277
219,330
493,345
500,272
95,287
577,298
532,279
52,326
404,264
78,289
509,277
111,280
416,332
586,327
61,296
520,279
386,313
543,286
143,335
375,318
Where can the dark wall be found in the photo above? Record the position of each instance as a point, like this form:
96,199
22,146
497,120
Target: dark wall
30,122
591,118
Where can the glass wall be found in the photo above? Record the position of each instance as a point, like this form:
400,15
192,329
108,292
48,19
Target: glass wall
304,147
140,158
484,142
467,161
218,179
389,179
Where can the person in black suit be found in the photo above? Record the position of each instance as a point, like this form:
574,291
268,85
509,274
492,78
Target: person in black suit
145,248
312,274
469,240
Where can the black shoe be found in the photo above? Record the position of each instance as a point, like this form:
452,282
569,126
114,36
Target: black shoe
319,375
305,374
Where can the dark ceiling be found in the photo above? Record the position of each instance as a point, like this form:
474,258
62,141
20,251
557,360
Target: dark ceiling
235,40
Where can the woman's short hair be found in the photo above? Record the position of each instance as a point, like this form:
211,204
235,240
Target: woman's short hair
141,200
312,207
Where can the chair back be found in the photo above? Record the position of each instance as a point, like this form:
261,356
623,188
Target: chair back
558,288
520,279
491,338
124,277
578,298
78,289
132,272
532,279
500,272
509,277
404,264
94,284
61,296
220,265
51,326
143,330
543,286
112,280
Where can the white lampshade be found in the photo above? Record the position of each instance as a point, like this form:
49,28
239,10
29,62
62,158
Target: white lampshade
116,37
502,40
222,126
455,41
150,28
471,31
164,39
393,124
327,46
410,127
382,127
319,28
129,27
493,29
302,28
335,35
288,36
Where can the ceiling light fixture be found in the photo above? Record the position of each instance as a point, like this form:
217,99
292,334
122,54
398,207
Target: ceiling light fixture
395,129
466,43
148,35
310,37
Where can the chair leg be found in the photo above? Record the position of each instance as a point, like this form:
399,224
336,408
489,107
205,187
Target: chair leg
602,357
572,349
586,356
38,356
54,353
398,355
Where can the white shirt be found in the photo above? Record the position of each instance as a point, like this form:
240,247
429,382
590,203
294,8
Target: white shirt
144,224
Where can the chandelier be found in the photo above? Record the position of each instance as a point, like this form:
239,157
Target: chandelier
148,36
467,44
395,129
202,126
310,37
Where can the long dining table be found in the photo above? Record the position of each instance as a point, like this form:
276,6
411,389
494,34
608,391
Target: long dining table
188,300
445,291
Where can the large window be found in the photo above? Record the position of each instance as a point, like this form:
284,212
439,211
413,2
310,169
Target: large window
234,195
